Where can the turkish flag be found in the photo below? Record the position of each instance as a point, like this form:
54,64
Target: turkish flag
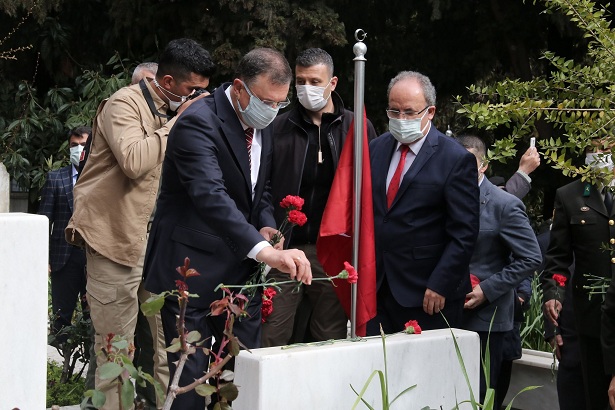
334,244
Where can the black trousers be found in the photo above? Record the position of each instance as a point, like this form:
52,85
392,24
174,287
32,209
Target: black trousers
248,330
393,316
67,284
496,345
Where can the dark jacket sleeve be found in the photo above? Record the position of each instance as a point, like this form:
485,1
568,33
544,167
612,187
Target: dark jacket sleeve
518,186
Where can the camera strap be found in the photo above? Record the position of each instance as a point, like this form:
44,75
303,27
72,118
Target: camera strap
150,101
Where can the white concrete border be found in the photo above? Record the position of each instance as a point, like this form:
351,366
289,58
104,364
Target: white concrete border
319,377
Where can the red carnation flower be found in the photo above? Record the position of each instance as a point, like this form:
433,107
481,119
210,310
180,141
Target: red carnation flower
292,202
560,279
352,273
297,217
474,280
412,327
267,305
269,293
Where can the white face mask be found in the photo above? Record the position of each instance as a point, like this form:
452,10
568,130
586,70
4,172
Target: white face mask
407,131
312,97
75,154
257,114
599,160
173,105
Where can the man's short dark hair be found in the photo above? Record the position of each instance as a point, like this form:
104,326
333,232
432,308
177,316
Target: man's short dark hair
315,56
472,142
182,57
264,61
79,131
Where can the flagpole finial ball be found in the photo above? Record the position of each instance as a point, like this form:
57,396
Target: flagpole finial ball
359,49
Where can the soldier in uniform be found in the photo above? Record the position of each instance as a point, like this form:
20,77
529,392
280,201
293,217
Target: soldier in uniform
583,224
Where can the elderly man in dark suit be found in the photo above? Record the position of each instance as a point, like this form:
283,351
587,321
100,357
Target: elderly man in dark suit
66,262
215,206
425,212
506,252
583,225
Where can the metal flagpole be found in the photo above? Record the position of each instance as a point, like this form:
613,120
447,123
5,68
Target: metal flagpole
359,50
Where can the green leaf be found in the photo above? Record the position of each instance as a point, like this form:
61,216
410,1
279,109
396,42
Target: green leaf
174,348
205,390
229,391
121,344
98,399
109,371
127,394
153,305
193,337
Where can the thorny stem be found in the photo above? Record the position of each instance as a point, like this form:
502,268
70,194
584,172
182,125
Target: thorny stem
214,370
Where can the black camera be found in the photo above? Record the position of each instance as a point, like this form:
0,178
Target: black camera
197,92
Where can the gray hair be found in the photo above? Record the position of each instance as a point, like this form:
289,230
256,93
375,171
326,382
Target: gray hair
429,91
472,142
315,56
265,61
142,70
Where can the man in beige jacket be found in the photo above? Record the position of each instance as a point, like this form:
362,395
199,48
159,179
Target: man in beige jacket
116,192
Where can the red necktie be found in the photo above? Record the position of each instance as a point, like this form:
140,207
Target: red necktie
249,135
395,181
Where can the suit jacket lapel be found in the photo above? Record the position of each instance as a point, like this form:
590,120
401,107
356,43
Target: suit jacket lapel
233,133
67,182
427,150
485,190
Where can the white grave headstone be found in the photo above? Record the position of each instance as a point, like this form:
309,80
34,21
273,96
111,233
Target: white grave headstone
319,377
24,243
5,189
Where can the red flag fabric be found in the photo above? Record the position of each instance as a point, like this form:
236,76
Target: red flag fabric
334,244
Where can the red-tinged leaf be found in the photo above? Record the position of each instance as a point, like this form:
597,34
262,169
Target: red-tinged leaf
192,272
218,306
236,310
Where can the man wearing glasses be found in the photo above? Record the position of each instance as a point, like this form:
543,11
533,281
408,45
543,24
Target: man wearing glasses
215,206
425,190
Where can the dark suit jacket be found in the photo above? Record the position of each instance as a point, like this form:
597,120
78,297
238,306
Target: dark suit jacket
205,210
57,205
426,239
581,228
506,252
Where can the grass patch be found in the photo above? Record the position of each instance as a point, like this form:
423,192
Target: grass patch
62,394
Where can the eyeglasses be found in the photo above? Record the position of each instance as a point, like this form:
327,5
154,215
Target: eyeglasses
402,115
271,104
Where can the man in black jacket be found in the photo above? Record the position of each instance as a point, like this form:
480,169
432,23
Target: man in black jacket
307,143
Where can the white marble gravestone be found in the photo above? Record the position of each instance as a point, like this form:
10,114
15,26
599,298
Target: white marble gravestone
24,242
319,377
5,189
